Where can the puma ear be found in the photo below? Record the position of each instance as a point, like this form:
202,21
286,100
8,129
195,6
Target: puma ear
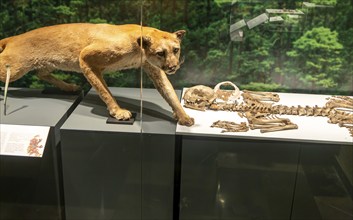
146,41
180,34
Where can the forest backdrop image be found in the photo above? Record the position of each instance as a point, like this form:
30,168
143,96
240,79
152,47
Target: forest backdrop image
300,47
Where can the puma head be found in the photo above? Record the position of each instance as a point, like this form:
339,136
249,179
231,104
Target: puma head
162,49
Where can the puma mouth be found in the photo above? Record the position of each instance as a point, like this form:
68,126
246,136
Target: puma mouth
170,72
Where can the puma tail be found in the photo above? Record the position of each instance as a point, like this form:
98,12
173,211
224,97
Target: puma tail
8,74
3,44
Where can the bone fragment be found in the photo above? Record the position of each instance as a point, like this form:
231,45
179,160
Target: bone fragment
342,102
279,128
260,96
227,95
283,109
262,126
301,110
229,126
317,110
309,111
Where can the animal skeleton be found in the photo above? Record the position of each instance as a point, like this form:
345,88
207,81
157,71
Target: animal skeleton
339,110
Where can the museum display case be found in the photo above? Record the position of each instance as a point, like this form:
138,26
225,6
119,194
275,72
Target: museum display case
236,161
30,158
243,110
119,171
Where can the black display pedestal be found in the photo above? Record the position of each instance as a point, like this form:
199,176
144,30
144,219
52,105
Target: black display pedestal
225,178
31,187
118,171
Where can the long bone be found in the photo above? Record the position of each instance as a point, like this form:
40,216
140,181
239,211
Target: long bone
347,99
341,119
265,121
345,105
260,96
340,102
262,126
280,128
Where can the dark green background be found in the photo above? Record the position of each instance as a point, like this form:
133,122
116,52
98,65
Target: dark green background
311,54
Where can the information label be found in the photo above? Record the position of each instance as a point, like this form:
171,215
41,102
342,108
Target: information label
23,140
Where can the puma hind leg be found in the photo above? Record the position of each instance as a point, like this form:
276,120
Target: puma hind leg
46,75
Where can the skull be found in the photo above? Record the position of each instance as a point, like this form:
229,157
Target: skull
199,97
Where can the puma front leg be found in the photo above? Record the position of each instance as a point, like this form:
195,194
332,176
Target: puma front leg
91,68
165,88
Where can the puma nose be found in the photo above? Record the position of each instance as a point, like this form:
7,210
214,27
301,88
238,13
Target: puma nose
172,68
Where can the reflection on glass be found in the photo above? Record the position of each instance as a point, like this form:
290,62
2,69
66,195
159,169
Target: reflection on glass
259,45
280,45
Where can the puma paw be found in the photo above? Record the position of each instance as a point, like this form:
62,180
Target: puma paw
187,121
120,114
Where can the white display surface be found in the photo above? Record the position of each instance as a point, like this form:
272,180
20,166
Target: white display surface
23,140
310,128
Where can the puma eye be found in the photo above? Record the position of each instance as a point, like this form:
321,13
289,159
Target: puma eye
161,53
176,50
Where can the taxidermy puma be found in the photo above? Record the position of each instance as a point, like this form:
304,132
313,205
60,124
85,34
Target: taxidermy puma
93,49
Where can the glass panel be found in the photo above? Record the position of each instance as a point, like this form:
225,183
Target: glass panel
22,16
158,130
101,163
237,179
261,45
273,45
325,183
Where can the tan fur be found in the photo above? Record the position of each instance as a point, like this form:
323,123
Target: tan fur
93,49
